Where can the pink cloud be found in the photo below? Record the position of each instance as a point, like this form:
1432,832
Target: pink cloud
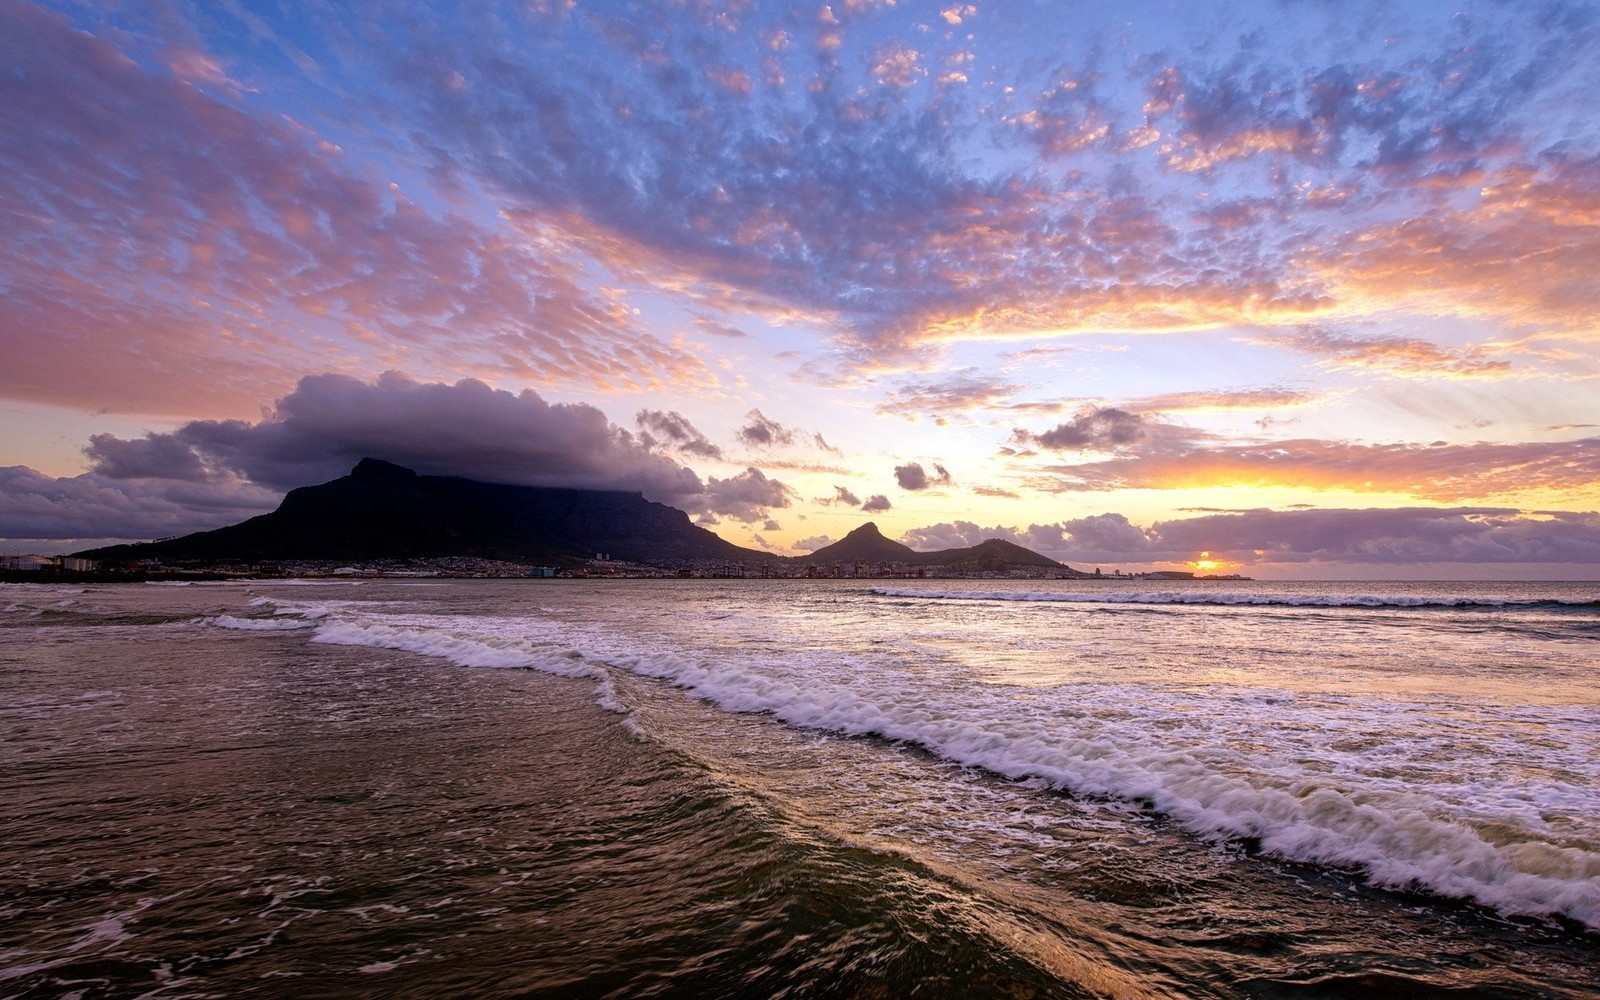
1351,538
1448,473
169,252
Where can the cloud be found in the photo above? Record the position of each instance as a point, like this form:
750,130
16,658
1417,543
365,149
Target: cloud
94,508
765,433
1376,537
954,535
319,431
157,456
169,251
913,476
1520,252
812,544
745,497
1067,118
1446,473
965,392
841,496
850,206
329,422
762,432
1237,399
875,503
1099,429
897,65
675,431
1402,356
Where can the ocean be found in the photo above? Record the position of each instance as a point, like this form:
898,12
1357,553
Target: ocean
853,788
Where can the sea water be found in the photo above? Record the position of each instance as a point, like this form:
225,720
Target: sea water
800,788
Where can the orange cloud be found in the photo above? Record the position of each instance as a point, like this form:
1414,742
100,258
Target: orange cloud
1525,254
1433,472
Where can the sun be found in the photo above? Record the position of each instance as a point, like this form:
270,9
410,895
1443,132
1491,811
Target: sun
1205,563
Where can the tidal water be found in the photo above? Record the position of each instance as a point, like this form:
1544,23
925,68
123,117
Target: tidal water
800,789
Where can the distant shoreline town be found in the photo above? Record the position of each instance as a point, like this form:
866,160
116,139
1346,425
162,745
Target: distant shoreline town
69,569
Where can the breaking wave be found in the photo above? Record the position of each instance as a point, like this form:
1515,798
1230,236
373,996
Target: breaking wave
1501,849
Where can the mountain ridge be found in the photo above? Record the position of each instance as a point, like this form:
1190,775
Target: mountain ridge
384,511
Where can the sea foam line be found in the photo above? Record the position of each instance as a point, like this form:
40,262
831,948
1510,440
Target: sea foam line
1224,598
1400,841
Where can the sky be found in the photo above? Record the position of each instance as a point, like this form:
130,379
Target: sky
1297,289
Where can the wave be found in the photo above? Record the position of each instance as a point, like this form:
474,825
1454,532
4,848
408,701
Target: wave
257,624
1500,850
468,651
1234,598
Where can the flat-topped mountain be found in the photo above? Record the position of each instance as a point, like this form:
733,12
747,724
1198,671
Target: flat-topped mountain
383,511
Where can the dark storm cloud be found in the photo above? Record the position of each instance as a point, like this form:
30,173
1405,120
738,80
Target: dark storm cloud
912,476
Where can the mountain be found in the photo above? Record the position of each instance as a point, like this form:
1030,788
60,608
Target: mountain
989,554
383,511
866,544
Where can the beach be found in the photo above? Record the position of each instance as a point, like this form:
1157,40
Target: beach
799,788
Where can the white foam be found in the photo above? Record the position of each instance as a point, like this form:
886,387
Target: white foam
1221,597
1399,838
1405,792
257,624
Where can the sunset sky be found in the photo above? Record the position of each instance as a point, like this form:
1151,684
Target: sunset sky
1310,288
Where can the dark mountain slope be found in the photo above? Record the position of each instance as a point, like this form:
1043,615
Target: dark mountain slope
384,511
864,544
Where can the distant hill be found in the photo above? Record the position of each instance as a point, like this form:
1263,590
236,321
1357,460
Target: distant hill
383,511
990,554
864,544
867,544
